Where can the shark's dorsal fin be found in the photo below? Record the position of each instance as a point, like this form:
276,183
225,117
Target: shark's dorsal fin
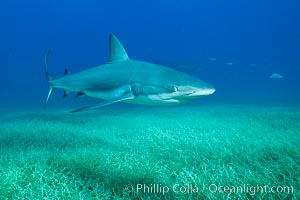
117,52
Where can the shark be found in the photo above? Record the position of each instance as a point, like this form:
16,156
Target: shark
121,79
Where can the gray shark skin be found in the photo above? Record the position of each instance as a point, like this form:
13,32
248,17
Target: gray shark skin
122,79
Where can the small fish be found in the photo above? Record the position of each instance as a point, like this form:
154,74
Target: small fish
230,63
213,59
276,76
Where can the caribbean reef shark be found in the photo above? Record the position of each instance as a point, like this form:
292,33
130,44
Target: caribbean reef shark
122,79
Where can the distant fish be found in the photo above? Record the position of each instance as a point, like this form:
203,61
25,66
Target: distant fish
276,76
212,59
230,63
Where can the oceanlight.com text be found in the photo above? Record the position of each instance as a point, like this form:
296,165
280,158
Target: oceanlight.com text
210,188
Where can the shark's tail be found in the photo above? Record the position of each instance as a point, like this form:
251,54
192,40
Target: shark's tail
48,76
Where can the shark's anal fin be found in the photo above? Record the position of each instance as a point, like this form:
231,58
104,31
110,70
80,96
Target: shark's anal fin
66,93
104,103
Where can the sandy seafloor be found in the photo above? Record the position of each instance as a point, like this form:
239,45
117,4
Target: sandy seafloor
109,153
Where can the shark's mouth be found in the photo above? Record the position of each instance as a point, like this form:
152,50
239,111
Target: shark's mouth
194,94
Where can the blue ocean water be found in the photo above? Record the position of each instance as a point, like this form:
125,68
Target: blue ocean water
233,45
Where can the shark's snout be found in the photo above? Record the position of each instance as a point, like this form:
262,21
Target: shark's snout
200,91
194,93
203,92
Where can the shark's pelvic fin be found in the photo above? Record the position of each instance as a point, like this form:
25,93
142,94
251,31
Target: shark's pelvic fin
116,50
104,103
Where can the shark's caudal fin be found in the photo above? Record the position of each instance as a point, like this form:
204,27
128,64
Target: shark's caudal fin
117,52
46,66
48,76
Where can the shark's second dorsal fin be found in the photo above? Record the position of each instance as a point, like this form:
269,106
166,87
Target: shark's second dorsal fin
116,50
66,72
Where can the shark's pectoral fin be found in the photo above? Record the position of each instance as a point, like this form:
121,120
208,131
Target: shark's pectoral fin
105,103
